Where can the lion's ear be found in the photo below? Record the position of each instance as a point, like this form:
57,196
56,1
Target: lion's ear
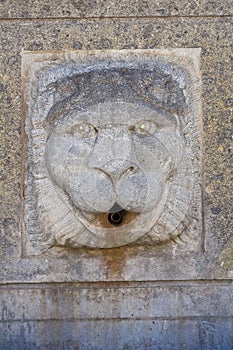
63,88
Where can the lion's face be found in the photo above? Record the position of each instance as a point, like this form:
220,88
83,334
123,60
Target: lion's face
114,157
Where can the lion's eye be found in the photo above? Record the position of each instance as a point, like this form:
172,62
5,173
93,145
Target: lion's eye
145,127
84,130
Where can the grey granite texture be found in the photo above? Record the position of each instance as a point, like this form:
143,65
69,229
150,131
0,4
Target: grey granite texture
110,8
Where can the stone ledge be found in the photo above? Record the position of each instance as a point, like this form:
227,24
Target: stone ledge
161,301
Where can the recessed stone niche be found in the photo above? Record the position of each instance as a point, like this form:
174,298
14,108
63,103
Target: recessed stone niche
112,150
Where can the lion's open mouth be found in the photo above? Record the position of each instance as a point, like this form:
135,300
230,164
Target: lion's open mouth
116,218
119,218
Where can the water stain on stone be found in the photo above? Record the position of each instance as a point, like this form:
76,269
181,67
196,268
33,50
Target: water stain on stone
114,262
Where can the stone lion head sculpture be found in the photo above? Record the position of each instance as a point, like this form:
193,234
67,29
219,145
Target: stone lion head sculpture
111,160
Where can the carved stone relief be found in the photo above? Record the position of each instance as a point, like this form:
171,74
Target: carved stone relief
113,153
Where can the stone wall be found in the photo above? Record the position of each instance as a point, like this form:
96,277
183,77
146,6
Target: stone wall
128,297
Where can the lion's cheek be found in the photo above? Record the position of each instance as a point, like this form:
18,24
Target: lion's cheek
173,142
64,156
91,191
140,192
55,158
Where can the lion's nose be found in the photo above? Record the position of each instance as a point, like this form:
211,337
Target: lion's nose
113,154
117,168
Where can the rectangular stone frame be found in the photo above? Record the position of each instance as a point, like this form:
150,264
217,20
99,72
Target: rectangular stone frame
176,260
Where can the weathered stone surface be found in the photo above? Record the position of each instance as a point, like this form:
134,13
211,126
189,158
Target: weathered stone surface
133,316
116,300
185,334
